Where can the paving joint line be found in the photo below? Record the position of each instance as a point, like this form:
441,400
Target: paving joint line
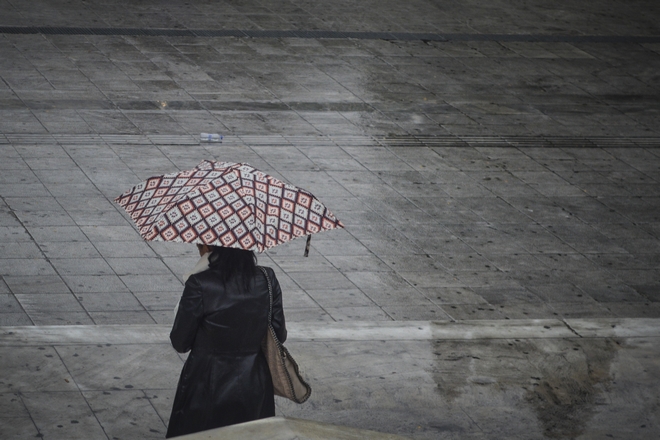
570,328
452,141
320,34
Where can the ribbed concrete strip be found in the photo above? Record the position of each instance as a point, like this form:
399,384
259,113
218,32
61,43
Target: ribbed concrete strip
352,331
351,141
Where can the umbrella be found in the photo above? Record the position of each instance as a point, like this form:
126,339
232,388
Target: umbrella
225,204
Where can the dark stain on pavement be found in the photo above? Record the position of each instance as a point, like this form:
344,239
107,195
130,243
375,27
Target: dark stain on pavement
565,396
562,380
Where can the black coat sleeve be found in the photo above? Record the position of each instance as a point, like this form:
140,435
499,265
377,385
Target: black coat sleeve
278,311
188,316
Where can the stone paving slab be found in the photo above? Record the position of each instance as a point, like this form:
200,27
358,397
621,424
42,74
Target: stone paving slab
506,232
531,131
586,378
418,16
332,85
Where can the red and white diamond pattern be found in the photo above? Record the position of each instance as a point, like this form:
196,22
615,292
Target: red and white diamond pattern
225,204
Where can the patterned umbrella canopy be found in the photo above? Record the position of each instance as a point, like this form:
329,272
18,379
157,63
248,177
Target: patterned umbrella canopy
225,204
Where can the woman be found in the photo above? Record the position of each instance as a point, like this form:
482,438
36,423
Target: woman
222,318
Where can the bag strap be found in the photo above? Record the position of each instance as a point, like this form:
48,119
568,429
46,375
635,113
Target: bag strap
270,296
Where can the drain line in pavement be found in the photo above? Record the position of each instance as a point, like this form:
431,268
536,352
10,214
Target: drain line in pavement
394,36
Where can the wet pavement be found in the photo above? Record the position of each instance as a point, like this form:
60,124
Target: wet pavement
492,163
483,379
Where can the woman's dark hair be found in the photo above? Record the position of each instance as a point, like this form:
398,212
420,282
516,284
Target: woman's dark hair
232,263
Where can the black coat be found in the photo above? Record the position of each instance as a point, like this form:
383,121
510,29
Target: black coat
225,379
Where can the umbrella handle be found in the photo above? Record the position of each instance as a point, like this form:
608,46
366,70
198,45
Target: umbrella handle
309,240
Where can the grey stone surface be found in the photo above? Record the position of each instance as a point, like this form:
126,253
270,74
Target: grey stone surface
578,378
508,173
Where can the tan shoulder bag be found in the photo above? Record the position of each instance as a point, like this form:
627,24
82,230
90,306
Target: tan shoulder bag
287,380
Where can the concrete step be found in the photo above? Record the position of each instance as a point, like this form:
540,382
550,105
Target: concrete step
280,428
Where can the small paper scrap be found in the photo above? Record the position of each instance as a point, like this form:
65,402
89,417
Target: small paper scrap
210,137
